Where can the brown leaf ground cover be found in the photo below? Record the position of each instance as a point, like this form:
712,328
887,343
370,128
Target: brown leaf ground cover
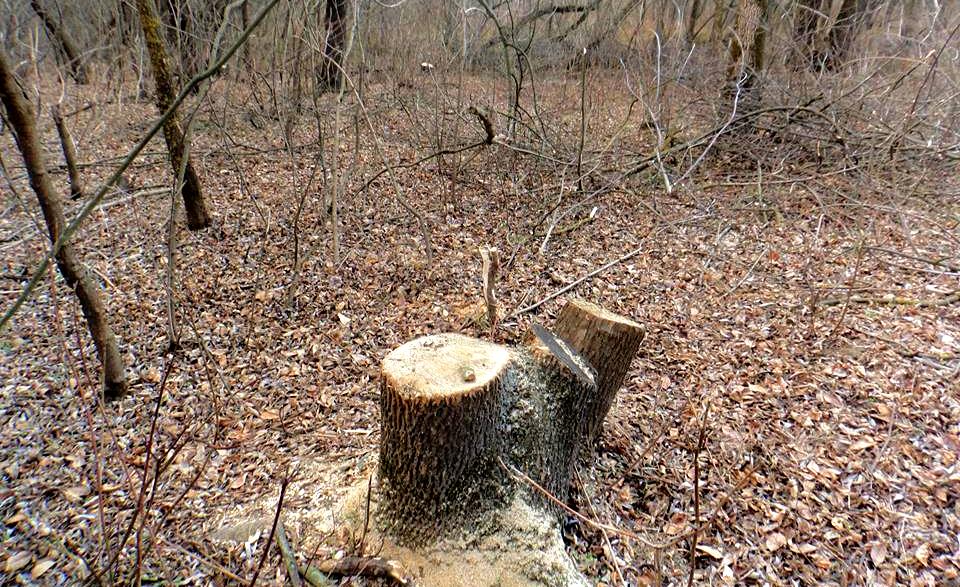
803,345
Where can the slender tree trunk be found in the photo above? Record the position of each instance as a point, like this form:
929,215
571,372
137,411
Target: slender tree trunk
335,32
64,43
197,215
69,154
74,273
692,22
806,23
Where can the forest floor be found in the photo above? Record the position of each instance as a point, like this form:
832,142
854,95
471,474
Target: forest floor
805,322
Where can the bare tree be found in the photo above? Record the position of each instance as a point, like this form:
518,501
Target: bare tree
63,42
853,17
23,123
335,32
748,42
197,215
807,19
69,153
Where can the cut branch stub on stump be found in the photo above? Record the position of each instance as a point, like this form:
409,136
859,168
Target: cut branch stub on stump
607,341
458,415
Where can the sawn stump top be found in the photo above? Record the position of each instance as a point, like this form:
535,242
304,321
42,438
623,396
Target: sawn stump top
443,367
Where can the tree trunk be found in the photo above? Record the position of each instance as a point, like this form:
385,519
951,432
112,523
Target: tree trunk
692,22
475,436
69,154
64,44
74,273
748,44
197,216
853,17
806,23
602,338
335,32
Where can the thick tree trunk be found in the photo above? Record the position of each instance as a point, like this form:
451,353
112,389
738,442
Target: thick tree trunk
197,215
478,440
440,402
74,273
335,33
748,45
64,43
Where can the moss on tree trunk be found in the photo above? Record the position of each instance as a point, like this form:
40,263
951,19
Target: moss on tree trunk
193,202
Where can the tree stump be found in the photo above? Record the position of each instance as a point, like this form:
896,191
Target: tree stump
440,405
460,418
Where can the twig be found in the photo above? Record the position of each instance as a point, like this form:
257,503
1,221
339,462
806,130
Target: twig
853,282
596,272
896,301
567,288
362,566
696,494
289,557
488,140
138,511
606,537
222,570
273,529
746,276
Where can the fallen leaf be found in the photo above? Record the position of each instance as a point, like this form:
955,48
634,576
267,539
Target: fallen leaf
710,551
41,567
922,554
878,553
775,541
17,561
821,561
76,493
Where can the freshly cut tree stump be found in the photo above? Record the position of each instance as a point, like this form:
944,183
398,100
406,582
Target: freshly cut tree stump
440,408
473,434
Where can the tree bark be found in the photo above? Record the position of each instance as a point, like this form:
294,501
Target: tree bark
193,202
747,61
806,23
692,22
64,43
608,342
439,404
335,32
74,272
